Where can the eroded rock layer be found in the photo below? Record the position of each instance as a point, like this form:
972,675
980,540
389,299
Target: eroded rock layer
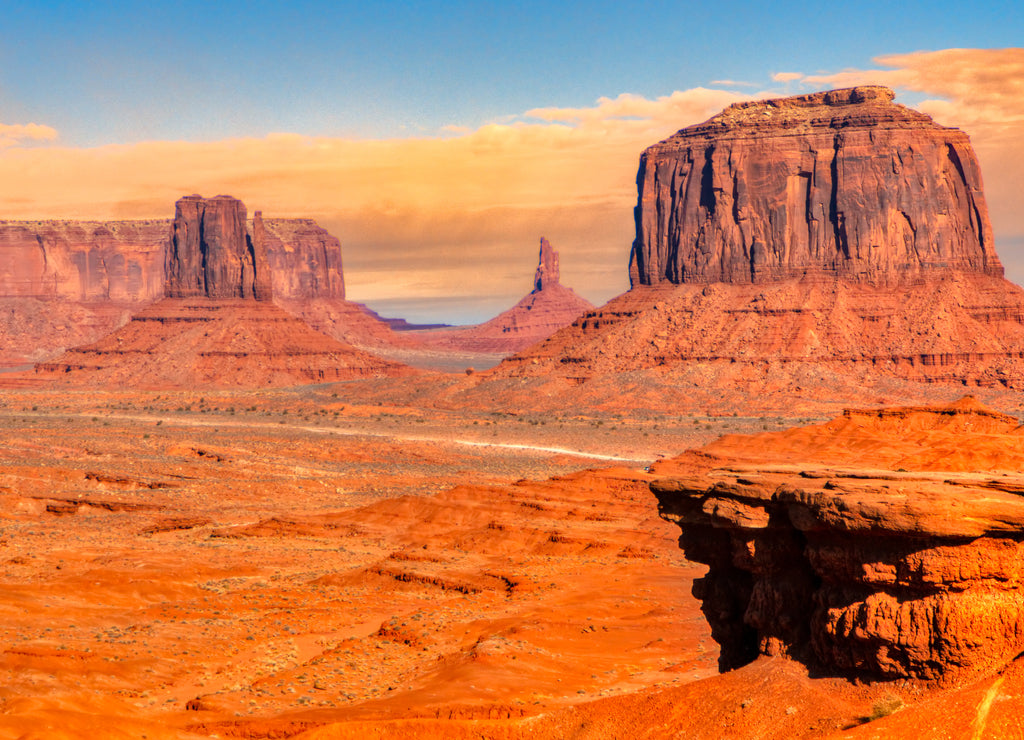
211,254
846,182
68,283
205,343
915,574
217,327
814,247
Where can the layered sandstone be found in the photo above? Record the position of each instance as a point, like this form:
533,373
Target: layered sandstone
916,574
213,343
217,327
87,261
814,247
211,254
68,283
547,308
845,182
304,258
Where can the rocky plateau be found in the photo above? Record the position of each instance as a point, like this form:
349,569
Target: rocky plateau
68,283
914,573
830,246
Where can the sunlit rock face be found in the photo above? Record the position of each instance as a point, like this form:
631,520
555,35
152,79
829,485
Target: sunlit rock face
861,571
68,283
844,182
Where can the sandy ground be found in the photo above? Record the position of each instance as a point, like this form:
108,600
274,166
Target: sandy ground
185,564
315,562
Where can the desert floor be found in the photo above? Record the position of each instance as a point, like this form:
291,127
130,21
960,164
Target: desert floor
303,562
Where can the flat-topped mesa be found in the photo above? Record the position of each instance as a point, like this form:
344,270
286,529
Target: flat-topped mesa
844,182
210,254
547,267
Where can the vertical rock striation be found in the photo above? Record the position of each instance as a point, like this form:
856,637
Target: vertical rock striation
860,571
210,253
547,268
844,182
809,247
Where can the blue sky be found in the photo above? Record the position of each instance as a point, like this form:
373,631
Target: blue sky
124,72
105,75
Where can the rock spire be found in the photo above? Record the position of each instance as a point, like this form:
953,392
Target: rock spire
547,267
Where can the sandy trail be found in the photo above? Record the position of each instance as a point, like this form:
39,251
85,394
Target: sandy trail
351,432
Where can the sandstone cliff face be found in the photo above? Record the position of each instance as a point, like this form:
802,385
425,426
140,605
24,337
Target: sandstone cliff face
806,248
68,283
305,260
64,283
117,261
845,182
547,274
854,571
210,254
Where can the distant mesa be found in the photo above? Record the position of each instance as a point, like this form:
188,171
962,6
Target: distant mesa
217,327
68,283
821,242
550,306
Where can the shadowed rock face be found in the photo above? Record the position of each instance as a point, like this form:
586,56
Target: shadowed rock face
210,254
854,571
844,182
547,268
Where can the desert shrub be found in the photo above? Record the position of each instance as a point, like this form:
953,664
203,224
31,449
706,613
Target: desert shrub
885,706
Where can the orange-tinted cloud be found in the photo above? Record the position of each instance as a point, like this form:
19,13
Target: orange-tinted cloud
16,133
464,210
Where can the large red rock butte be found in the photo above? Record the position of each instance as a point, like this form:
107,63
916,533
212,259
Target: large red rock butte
547,308
845,182
828,242
211,254
218,326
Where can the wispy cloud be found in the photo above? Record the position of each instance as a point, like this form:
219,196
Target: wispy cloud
735,83
18,133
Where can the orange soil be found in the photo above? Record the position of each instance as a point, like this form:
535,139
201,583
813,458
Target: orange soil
183,566
167,580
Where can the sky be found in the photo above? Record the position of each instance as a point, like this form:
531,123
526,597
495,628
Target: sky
439,141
